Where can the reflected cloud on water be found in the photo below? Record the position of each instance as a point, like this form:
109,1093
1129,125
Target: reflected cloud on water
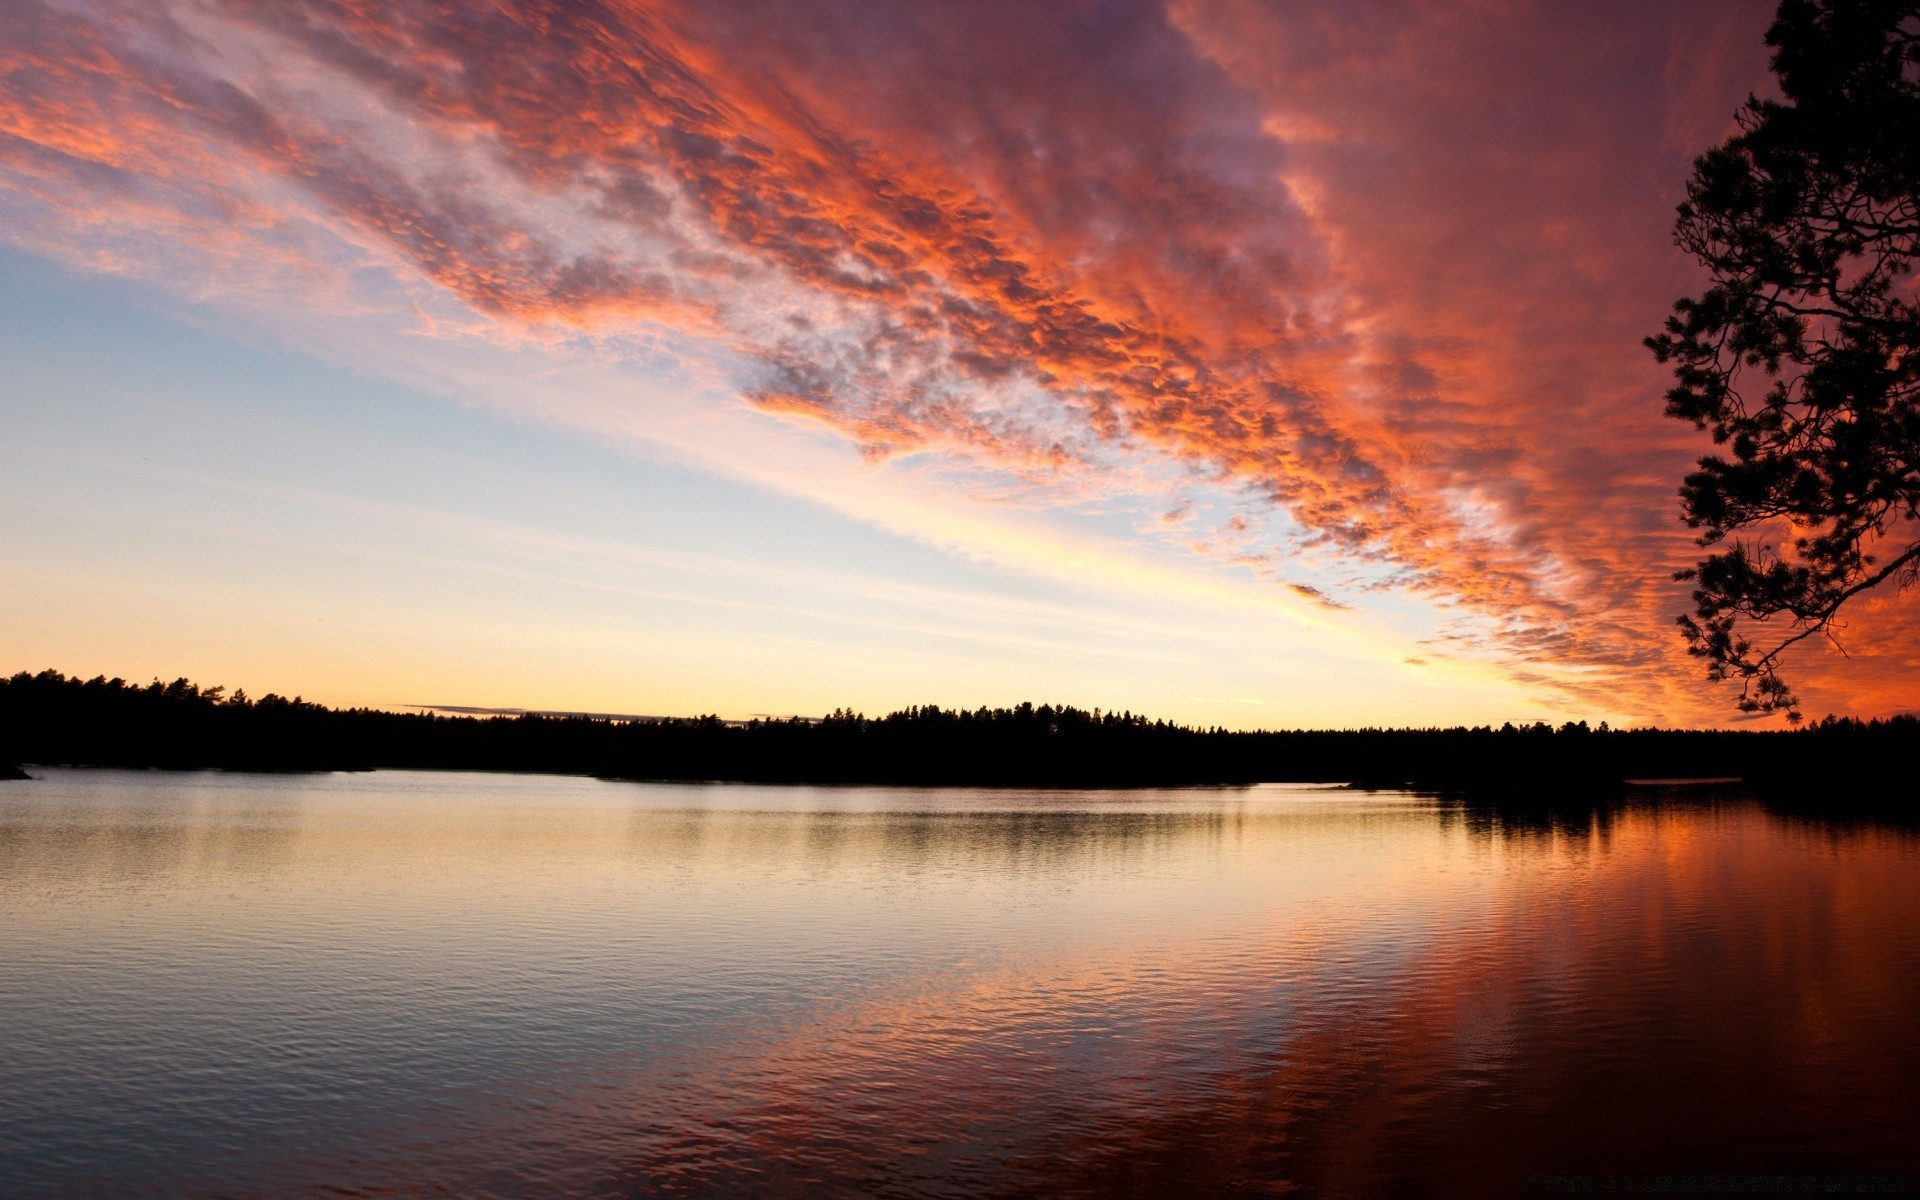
493,985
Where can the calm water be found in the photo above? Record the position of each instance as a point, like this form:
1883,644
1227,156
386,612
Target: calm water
469,985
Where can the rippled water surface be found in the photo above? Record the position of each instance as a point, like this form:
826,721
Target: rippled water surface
403,984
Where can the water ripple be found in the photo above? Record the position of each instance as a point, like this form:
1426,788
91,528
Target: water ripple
405,984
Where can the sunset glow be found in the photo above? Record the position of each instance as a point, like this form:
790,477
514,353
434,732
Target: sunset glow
1259,365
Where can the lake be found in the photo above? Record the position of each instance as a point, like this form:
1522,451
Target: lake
414,984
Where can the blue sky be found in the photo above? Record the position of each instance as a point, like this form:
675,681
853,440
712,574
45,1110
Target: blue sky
188,497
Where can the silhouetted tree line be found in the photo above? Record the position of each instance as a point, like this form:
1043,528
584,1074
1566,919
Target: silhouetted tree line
55,720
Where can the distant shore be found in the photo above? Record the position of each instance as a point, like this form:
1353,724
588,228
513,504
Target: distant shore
52,719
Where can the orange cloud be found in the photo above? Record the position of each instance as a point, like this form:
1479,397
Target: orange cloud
1384,271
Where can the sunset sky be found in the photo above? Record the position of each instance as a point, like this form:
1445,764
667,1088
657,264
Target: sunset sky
1252,364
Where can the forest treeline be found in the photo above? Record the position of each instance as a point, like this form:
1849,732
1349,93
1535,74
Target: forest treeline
52,719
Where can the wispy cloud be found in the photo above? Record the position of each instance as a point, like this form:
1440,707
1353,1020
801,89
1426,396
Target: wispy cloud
1377,274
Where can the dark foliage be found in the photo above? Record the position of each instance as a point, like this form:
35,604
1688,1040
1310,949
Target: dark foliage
51,719
1803,356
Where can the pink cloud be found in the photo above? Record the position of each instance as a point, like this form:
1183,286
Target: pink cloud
1382,268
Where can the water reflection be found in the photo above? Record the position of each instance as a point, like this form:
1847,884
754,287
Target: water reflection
122,831
485,985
